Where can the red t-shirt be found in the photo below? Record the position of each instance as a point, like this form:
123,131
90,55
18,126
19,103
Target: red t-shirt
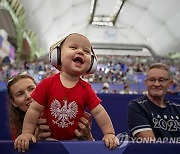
63,107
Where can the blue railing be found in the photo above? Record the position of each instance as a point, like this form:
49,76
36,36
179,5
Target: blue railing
90,147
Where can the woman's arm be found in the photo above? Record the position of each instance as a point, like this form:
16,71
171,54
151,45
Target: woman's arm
84,131
42,130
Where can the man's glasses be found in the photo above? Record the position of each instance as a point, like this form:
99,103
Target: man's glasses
160,80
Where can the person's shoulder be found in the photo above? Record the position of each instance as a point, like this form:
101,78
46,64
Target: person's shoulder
85,83
53,76
140,101
171,103
50,79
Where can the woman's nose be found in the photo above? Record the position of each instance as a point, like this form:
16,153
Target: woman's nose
28,95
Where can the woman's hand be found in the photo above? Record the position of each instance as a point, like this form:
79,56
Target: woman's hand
43,130
84,131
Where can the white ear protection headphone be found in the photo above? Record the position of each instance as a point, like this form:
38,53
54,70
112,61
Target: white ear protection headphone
55,56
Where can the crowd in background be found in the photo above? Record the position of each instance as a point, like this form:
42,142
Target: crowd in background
124,71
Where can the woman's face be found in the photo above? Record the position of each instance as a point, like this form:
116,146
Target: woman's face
21,93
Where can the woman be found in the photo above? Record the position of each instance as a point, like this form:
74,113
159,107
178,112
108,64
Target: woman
19,90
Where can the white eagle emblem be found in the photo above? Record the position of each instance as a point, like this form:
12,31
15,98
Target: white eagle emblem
64,113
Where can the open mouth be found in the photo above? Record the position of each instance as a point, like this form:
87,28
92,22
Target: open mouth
78,60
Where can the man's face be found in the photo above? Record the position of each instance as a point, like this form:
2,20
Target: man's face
157,82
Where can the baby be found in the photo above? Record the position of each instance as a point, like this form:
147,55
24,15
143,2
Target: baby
64,96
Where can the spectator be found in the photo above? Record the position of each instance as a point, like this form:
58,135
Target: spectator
105,88
64,96
126,90
152,116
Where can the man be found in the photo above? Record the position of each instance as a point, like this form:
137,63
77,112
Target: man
152,116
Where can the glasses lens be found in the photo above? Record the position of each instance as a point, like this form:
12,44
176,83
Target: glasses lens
159,80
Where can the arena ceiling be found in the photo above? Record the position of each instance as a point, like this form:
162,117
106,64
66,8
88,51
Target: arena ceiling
130,23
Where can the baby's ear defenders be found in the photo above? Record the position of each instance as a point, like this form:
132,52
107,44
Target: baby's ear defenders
55,57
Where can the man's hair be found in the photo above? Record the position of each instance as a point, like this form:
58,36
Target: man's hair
160,66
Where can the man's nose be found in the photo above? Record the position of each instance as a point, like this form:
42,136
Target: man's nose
156,82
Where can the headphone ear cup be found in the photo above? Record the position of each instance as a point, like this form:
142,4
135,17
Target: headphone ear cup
93,66
55,57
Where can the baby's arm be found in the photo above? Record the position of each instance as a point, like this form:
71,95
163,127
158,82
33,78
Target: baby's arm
104,122
30,121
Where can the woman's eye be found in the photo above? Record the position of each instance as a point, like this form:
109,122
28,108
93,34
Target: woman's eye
31,88
19,94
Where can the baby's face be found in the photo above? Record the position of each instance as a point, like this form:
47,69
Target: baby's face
76,55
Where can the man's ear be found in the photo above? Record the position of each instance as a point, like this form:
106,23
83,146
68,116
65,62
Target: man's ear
145,81
171,82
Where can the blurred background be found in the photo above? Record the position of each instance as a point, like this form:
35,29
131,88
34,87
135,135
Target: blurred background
127,36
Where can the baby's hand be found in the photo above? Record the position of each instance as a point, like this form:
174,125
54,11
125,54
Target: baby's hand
110,141
22,142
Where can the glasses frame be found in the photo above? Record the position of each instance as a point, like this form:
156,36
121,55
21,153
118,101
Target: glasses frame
160,80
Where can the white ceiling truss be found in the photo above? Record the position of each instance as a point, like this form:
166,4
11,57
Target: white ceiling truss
151,23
